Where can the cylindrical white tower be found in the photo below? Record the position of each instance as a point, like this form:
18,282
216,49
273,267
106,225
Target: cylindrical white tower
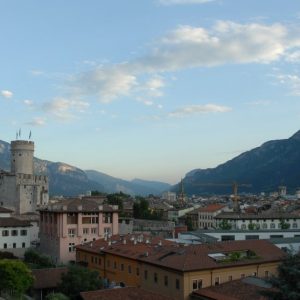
22,157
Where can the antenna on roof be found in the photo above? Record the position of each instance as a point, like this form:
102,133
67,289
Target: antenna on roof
20,133
29,135
16,135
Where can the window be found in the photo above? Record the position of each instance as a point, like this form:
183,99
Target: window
129,269
197,284
217,280
14,232
155,277
85,231
265,226
14,245
177,284
23,245
230,278
71,218
145,274
93,230
122,267
5,233
71,232
254,274
23,232
99,262
71,247
266,274
272,225
166,280
5,246
107,218
295,225
243,227
107,230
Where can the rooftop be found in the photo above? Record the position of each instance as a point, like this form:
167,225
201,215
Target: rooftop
163,253
248,288
128,293
47,278
5,210
13,222
209,209
265,215
79,205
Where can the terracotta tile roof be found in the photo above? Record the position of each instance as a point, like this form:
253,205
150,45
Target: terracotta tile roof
185,258
273,215
13,222
79,205
209,209
133,248
128,293
5,210
241,289
47,278
196,257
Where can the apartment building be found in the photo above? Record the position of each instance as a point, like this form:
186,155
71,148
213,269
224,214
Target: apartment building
14,233
65,224
175,270
204,217
263,221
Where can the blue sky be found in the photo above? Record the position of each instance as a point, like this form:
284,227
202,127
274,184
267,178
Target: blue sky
149,89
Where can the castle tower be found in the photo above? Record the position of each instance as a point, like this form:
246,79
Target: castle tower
22,157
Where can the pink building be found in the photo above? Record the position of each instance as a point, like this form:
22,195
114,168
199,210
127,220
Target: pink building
72,222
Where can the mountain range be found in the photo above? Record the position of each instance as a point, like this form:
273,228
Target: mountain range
68,180
261,169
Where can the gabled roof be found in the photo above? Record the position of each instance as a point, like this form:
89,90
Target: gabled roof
248,288
47,278
127,293
79,205
208,209
5,210
13,222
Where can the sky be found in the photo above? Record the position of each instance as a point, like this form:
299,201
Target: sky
149,89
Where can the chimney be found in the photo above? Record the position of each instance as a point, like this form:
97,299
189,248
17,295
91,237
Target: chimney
124,241
159,243
109,243
134,241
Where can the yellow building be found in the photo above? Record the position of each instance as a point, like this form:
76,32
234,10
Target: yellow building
176,270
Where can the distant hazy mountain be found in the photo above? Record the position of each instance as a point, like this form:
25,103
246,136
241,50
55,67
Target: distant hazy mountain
266,167
70,181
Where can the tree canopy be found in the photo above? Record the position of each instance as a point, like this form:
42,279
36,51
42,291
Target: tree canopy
286,283
79,279
15,277
36,260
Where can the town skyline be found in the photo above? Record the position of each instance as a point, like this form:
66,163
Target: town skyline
149,89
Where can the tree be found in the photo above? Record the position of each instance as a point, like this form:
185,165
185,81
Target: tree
36,260
57,296
225,225
284,225
286,283
15,277
79,279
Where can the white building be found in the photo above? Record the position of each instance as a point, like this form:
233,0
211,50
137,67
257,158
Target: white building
20,189
263,221
169,196
15,234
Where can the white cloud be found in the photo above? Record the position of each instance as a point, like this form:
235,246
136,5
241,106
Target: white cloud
106,83
293,57
291,81
28,102
198,109
187,47
64,108
37,122
6,94
183,2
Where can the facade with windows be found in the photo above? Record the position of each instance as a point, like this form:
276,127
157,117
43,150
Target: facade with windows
262,221
72,222
14,233
173,270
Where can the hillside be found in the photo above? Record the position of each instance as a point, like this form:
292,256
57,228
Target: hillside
266,167
70,181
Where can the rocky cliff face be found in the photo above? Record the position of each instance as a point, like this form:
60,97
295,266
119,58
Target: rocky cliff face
266,167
